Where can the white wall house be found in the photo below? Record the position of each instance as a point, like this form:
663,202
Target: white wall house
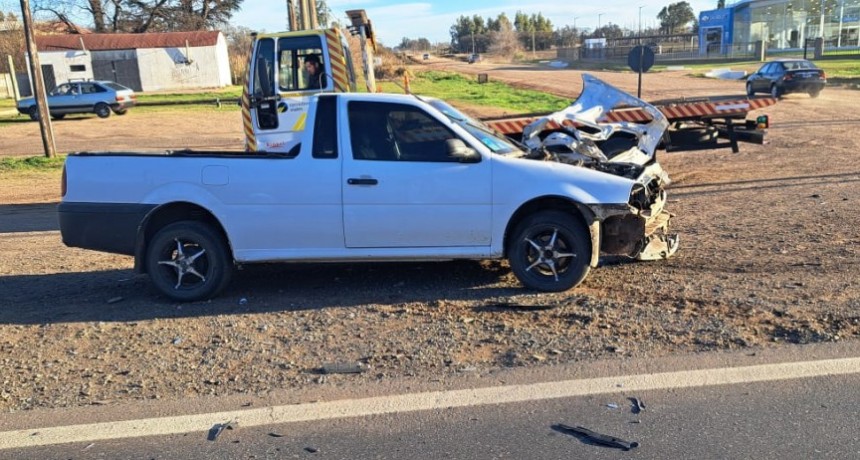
144,62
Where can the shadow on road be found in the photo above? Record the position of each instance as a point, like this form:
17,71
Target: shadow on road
812,183
38,217
120,295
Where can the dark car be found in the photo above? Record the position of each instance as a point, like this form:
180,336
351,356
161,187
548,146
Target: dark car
99,97
787,76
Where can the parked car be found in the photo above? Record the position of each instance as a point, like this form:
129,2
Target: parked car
474,58
98,97
426,56
785,76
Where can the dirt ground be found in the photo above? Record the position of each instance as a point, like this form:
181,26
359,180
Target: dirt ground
770,248
207,129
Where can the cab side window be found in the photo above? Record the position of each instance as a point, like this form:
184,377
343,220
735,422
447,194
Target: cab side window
292,52
325,128
264,68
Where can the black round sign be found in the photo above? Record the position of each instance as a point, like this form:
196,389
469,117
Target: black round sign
640,55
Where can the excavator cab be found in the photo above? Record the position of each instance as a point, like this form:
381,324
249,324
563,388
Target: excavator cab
277,93
276,96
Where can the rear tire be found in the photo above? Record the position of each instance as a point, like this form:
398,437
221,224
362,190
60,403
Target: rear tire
550,251
58,116
814,93
34,113
120,111
102,110
189,261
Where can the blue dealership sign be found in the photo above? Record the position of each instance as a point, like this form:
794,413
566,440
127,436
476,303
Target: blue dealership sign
715,30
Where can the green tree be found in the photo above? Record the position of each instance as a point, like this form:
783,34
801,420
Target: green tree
675,16
721,4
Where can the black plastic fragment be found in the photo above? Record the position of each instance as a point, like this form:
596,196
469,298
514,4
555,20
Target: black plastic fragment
637,405
598,438
219,428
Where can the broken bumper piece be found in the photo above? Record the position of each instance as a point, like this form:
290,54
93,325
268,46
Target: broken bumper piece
636,235
659,244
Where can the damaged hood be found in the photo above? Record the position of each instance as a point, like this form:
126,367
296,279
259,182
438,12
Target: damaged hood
579,134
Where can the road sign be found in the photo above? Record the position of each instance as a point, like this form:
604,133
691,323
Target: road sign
640,55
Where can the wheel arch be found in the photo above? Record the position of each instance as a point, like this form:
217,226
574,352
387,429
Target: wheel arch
551,202
167,214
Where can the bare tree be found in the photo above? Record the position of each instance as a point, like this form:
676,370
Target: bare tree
143,15
11,41
505,41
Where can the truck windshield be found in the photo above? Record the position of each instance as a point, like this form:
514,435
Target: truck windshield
497,143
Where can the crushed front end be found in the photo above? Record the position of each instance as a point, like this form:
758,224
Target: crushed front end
579,136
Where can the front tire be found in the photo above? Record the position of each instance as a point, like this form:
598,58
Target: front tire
550,251
102,110
775,92
34,113
750,92
188,261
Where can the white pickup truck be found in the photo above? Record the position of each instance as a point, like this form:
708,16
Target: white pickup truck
378,177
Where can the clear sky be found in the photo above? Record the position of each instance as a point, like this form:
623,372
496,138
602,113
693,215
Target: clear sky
393,19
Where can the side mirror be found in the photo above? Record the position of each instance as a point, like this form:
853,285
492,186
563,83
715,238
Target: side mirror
461,152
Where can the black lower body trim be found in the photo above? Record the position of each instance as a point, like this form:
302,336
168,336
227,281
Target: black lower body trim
107,227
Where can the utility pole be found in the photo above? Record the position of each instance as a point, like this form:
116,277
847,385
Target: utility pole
533,42
291,16
312,13
38,83
473,40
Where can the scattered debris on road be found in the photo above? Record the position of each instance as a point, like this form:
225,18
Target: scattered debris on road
219,428
598,438
341,368
637,405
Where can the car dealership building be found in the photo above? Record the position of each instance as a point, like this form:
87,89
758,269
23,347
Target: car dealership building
780,25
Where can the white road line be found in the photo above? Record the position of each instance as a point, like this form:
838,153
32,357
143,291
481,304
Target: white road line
425,401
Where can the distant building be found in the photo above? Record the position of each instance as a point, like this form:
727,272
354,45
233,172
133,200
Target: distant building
780,24
143,62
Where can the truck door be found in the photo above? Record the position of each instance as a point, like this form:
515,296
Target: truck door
281,87
400,188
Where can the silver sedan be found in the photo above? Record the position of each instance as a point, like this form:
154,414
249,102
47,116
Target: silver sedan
98,97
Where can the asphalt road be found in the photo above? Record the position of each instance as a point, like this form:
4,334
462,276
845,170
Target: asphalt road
797,418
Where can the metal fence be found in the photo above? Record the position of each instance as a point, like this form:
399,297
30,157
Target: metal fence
684,53
662,53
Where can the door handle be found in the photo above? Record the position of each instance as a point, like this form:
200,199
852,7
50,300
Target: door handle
362,181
